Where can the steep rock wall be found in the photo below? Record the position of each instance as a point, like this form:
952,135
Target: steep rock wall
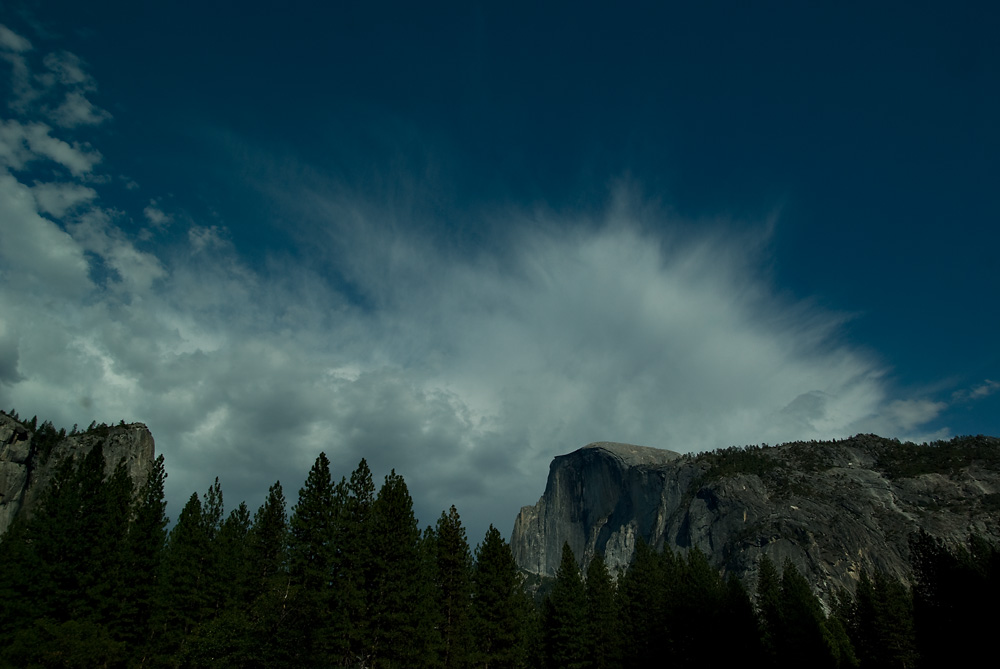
833,508
601,497
26,470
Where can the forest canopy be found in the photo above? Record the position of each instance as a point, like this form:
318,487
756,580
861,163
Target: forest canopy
347,578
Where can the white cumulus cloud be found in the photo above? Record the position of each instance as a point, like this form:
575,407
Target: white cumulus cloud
77,110
21,144
56,199
37,254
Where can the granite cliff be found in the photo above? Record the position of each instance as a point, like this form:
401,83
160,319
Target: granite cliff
28,459
833,508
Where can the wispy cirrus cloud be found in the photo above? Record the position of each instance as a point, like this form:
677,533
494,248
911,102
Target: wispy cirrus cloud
12,42
375,335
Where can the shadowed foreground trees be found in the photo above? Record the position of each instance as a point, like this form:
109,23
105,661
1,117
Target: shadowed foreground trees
954,590
450,562
564,618
502,613
672,608
94,580
347,580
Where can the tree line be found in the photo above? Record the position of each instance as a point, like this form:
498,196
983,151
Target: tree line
347,579
673,609
94,579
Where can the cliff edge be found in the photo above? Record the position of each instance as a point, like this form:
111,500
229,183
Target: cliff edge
834,509
29,458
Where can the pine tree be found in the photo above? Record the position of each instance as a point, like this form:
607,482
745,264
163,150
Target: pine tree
75,544
233,555
79,576
564,621
881,624
268,584
947,581
352,563
109,561
145,544
46,643
453,571
696,597
267,542
22,579
212,510
769,608
310,564
501,609
806,635
184,600
801,615
602,638
399,602
67,523
224,637
743,642
642,595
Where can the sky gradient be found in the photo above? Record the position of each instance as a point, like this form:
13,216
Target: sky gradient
459,239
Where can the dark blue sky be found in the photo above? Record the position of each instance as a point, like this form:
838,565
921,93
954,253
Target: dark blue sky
464,196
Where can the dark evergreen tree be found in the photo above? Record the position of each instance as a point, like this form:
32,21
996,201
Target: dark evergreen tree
352,562
399,602
212,510
184,600
453,577
743,640
880,623
310,566
66,568
147,535
17,555
223,638
267,543
769,609
233,550
642,594
109,559
436,615
603,635
696,596
71,644
501,609
68,522
806,637
948,578
76,542
268,585
564,618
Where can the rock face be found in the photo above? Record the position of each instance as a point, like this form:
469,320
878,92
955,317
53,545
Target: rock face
27,468
833,508
599,498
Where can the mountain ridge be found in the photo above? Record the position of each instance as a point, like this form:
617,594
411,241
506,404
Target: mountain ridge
835,508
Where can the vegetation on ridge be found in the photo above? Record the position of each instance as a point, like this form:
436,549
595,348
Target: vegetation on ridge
347,579
895,459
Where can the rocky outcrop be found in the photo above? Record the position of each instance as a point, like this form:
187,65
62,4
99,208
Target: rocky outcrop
834,509
27,463
15,453
601,497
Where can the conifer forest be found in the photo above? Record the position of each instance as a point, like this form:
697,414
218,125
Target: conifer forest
346,578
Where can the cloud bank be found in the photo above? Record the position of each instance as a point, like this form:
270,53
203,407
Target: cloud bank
465,369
